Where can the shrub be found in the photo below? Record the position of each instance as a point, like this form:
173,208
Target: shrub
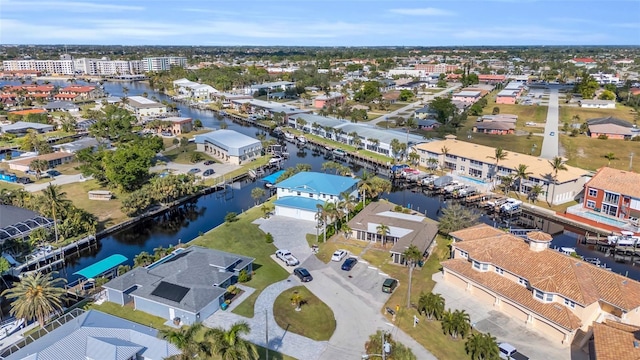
268,238
574,133
635,138
397,208
231,217
244,276
496,111
603,137
232,289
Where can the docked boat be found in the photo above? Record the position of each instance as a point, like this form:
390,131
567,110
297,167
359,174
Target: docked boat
339,153
626,238
301,139
289,136
9,327
567,250
593,260
275,160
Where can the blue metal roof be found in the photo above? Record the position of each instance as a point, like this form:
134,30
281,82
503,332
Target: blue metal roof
232,141
298,202
101,266
319,183
271,179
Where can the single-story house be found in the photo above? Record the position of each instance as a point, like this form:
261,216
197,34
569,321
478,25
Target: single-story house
611,127
391,96
507,97
92,334
403,229
185,287
426,112
598,104
179,125
61,106
18,223
54,159
229,146
299,195
428,124
469,97
494,127
22,127
75,146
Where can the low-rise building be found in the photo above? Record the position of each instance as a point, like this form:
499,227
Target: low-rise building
425,112
17,223
178,125
266,108
404,229
61,106
428,124
80,144
332,99
185,287
612,128
495,127
468,97
597,104
143,107
473,160
507,96
229,146
79,92
270,87
613,192
552,293
53,159
21,128
612,340
299,196
193,89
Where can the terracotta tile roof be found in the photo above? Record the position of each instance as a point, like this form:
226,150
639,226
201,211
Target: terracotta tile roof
515,292
615,341
65,96
618,181
78,89
551,271
479,231
27,112
539,236
583,60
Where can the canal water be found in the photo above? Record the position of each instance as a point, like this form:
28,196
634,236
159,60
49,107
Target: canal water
203,214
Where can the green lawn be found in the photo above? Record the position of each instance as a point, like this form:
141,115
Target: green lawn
326,249
315,320
567,113
243,237
182,155
588,153
107,212
520,144
345,147
9,186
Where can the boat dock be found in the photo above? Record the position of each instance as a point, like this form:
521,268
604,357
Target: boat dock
47,259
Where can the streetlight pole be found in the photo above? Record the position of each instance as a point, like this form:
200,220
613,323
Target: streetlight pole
409,287
631,161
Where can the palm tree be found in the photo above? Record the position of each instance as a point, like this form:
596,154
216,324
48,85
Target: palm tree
482,347
347,204
445,152
185,339
432,163
522,174
557,164
456,323
507,183
39,166
499,155
143,259
432,305
383,231
325,212
535,191
56,201
229,345
36,296
414,158
609,156
365,188
411,256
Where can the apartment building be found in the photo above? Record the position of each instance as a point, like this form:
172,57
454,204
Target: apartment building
96,67
614,192
472,160
163,63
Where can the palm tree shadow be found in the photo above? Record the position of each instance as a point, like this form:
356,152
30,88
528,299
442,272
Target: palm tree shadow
276,342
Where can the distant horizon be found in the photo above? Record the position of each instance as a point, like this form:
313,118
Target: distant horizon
328,23
444,47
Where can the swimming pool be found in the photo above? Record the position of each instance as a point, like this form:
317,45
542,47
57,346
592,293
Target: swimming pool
473,180
603,219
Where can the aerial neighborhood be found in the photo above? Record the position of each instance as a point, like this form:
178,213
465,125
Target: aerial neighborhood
170,202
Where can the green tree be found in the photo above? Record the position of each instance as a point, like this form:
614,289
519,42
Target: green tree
499,155
431,305
455,217
257,194
482,347
557,164
522,174
197,123
383,231
228,345
411,257
39,166
609,156
196,157
406,95
128,166
535,191
456,323
36,296
444,109
369,92
186,340
55,203
398,350
143,259
587,86
506,183
231,217
607,95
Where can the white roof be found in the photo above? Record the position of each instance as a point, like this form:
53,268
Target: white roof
230,140
142,100
468,93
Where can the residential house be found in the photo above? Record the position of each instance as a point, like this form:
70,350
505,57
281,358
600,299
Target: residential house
428,124
77,92
332,99
425,112
468,159
193,89
387,85
21,128
61,106
391,96
597,104
507,97
82,335
587,63
494,127
267,108
229,146
613,192
487,78
404,229
17,223
28,91
552,293
468,97
178,125
299,195
80,144
227,98
612,128
612,340
54,159
185,287
270,87
143,107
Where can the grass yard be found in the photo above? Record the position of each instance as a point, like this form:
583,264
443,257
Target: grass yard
315,320
525,113
588,153
520,144
567,113
345,147
9,186
326,249
183,155
243,237
107,212
212,180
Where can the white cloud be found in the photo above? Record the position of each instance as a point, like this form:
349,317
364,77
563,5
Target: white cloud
65,6
422,12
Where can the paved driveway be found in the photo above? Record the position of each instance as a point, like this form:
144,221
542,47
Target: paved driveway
363,278
289,233
58,180
486,319
220,169
550,143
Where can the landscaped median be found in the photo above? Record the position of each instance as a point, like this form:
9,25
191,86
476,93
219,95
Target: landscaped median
299,311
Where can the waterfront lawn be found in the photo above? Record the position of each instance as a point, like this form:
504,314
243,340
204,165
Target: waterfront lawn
315,320
326,249
107,212
244,238
348,148
587,153
183,155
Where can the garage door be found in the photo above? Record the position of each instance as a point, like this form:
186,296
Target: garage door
453,279
483,295
514,312
548,331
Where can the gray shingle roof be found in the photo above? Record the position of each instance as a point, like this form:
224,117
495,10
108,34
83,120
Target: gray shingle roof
609,120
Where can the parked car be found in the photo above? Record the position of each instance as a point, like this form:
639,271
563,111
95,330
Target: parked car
389,285
209,162
349,264
553,133
208,172
509,352
54,173
24,180
303,274
339,255
287,257
194,171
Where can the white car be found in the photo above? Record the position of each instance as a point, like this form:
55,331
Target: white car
287,257
339,255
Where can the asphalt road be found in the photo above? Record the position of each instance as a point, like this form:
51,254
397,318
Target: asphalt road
550,143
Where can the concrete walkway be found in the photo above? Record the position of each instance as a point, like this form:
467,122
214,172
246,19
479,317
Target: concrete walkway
550,143
280,340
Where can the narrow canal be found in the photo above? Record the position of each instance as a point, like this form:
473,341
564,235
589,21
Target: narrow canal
203,214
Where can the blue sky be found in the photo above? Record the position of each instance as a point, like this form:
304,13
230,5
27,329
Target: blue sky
321,22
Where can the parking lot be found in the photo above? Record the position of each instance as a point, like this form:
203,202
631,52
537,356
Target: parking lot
289,234
364,277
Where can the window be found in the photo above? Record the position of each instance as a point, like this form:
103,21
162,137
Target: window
476,265
461,168
593,192
310,195
522,281
464,254
480,266
499,271
609,209
484,267
591,204
538,294
299,193
611,198
548,297
569,303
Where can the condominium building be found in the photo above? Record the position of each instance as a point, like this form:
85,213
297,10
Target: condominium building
163,63
97,67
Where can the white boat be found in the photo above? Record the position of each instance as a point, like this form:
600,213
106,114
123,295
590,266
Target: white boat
10,327
339,153
289,136
594,261
301,139
275,160
567,250
626,238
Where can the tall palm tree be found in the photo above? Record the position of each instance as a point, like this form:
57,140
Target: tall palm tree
557,164
36,296
347,204
445,152
535,191
411,256
522,174
507,183
228,344
482,347
55,200
499,155
185,340
325,212
39,166
432,305
432,163
383,231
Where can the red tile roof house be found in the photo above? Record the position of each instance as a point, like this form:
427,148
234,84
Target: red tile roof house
32,91
613,192
553,294
491,78
81,92
611,127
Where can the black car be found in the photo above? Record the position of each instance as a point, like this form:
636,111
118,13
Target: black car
208,172
349,264
389,285
209,162
24,180
53,173
303,274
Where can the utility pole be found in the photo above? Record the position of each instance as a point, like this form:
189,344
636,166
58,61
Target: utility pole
266,334
631,161
409,287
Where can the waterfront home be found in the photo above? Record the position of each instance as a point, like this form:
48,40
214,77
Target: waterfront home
80,144
185,287
178,125
61,106
78,92
266,108
17,223
472,160
404,229
611,127
227,98
612,340
53,160
20,128
299,195
270,87
193,89
555,294
143,107
82,335
613,192
229,146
